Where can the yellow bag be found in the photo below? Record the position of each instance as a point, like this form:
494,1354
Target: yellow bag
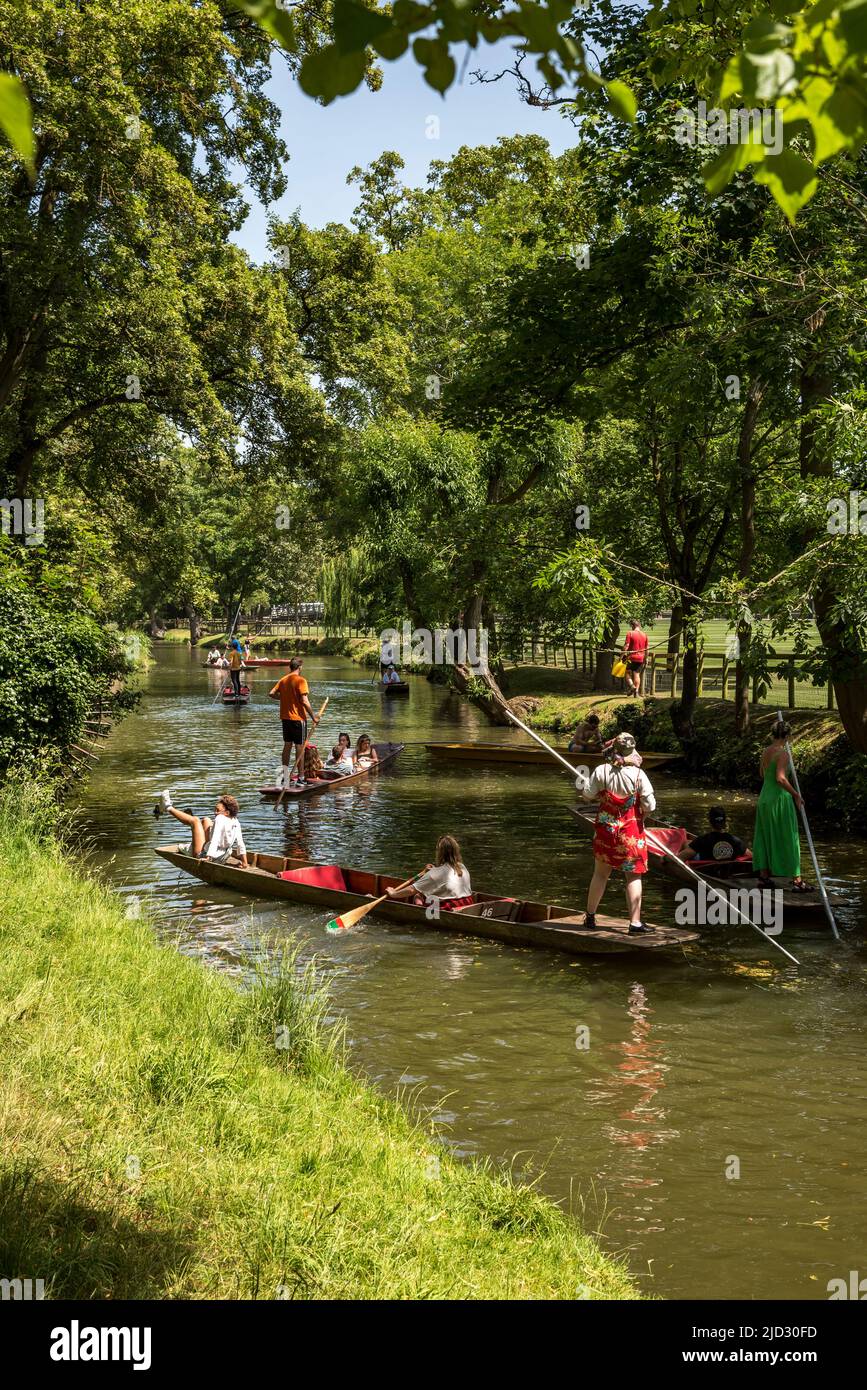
619,668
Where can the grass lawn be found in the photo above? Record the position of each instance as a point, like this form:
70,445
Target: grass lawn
155,1142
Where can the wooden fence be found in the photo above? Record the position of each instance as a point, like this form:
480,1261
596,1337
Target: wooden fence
662,675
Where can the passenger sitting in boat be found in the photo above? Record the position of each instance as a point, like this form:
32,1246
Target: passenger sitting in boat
219,839
340,760
214,656
715,843
625,796
391,676
446,882
365,754
344,743
312,764
587,738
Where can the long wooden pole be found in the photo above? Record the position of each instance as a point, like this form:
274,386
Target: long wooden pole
228,639
826,902
663,848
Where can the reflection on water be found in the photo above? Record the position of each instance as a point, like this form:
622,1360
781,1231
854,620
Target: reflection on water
723,1050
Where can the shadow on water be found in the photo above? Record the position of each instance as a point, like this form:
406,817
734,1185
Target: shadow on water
722,1052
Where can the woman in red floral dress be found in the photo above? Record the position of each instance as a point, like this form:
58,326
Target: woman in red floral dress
625,795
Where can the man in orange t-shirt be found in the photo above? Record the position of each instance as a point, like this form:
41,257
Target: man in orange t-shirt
635,655
295,708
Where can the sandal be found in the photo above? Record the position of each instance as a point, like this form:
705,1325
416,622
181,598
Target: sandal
799,886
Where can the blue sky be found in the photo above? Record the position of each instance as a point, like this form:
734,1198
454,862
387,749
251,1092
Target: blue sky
325,142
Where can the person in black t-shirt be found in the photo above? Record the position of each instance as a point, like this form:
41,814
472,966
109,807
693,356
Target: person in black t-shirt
715,843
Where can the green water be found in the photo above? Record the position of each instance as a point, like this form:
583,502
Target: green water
722,1052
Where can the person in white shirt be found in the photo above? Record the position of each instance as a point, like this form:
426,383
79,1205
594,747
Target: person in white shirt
213,656
391,677
340,760
218,839
625,795
445,882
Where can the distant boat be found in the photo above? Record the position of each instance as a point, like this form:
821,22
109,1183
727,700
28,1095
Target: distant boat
531,753
230,698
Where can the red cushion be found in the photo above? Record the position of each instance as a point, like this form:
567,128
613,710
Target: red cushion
319,875
672,837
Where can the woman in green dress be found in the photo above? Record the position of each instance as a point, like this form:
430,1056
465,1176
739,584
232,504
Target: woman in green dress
776,844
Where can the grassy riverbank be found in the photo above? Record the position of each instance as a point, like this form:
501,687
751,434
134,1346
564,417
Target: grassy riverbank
155,1143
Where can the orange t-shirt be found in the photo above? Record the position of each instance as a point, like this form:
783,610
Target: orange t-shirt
292,688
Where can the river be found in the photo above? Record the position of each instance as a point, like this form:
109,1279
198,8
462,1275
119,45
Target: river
721,1060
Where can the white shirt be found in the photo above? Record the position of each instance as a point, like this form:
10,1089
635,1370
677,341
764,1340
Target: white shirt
442,881
622,781
225,838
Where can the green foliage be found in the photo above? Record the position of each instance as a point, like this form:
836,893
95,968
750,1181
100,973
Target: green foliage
52,667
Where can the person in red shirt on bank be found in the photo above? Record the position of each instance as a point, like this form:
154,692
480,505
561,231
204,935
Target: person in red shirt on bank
293,693
635,655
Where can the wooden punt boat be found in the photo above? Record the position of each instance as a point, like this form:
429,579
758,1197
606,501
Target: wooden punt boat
724,875
386,752
229,697
531,753
394,688
512,920
251,663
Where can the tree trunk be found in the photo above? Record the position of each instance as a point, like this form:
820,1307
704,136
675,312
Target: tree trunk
602,677
748,546
675,627
195,624
742,680
154,625
683,710
847,660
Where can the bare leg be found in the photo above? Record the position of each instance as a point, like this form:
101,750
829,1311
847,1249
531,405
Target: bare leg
199,829
299,754
633,898
598,884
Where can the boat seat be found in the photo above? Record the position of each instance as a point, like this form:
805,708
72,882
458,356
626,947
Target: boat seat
502,909
318,876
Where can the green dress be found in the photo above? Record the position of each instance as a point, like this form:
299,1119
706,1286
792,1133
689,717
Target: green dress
776,845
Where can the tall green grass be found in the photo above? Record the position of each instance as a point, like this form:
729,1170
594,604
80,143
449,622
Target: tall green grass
166,1134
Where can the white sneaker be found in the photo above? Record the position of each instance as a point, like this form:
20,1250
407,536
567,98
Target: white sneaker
165,801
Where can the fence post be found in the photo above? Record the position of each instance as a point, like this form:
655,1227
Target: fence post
791,685
725,677
675,672
700,673
574,656
830,693
755,690
653,673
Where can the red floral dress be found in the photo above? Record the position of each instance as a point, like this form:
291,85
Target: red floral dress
619,836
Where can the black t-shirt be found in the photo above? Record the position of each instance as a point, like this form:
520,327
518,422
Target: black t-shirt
718,844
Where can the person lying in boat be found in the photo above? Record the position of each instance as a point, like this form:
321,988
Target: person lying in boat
390,676
446,882
219,839
365,754
340,760
587,738
715,843
625,796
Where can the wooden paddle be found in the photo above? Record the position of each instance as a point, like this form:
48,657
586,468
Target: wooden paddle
286,784
350,918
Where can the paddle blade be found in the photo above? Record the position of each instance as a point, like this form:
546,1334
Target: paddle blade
336,924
